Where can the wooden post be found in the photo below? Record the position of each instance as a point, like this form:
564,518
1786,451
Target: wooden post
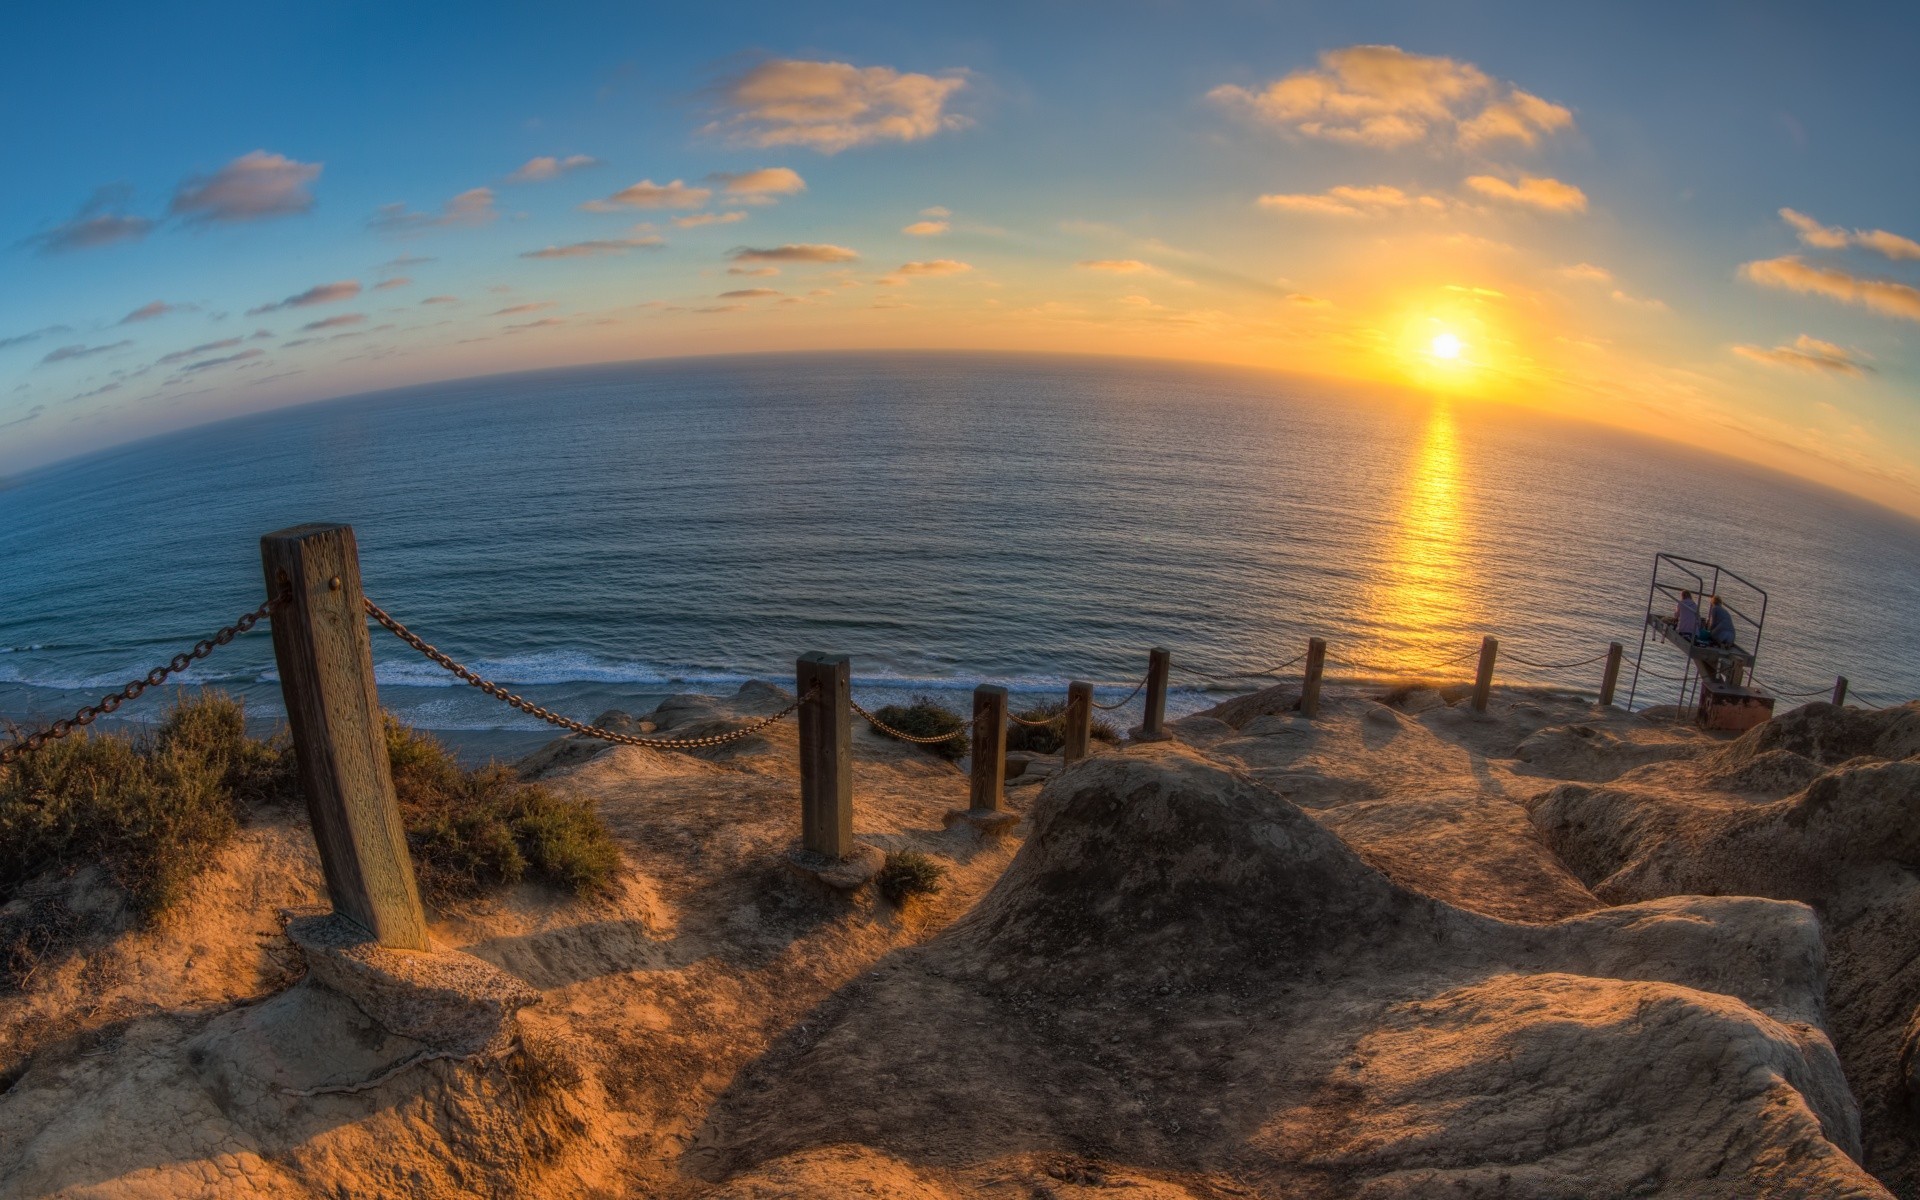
989,782
1839,689
826,754
1610,681
1483,682
326,675
1153,724
1310,681
1079,716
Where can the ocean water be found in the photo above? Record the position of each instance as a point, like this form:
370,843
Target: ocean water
600,537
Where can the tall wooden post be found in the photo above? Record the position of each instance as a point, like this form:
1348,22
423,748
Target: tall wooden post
1153,723
1310,679
988,792
1839,689
826,753
1483,682
326,675
1610,680
1079,718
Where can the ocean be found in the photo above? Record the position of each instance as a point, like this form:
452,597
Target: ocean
601,537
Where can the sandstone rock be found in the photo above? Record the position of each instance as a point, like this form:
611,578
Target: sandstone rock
1267,702
1584,752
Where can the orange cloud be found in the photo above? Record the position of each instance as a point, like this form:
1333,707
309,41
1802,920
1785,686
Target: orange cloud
695,220
761,186
596,249
1807,354
1832,237
648,194
819,252
1792,273
1533,191
471,207
1349,202
939,266
831,106
1383,97
926,228
250,187
1120,266
546,166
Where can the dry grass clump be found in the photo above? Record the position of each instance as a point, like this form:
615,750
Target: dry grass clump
909,873
1049,738
473,831
927,717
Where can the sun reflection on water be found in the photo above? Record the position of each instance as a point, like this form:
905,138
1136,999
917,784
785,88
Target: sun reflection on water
1422,598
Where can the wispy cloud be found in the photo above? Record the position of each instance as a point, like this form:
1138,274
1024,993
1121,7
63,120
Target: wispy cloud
1345,201
1792,273
398,281
404,261
1384,97
470,208
596,249
547,166
648,194
1586,273
192,352
749,294
832,106
927,228
938,266
250,188
1832,237
21,339
696,220
763,186
333,322
70,353
441,300
760,271
152,311
323,293
207,364
101,221
1533,191
1119,266
1808,354
819,252
516,309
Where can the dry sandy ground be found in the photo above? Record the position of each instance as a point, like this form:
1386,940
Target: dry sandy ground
1403,950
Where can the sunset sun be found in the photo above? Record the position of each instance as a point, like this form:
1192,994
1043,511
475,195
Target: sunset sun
1445,345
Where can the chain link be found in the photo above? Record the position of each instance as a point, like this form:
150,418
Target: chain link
891,732
552,718
132,691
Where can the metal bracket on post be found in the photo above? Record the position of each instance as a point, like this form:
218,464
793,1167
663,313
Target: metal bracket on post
325,658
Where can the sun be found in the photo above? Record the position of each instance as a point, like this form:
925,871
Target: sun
1445,345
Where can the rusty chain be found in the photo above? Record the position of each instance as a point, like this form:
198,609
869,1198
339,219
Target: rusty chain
132,691
891,732
553,718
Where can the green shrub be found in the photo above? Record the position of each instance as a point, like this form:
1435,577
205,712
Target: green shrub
472,831
927,717
1052,737
909,873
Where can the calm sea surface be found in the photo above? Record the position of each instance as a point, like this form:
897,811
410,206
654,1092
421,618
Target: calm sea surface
600,537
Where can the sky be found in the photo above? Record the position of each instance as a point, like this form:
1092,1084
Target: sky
1697,221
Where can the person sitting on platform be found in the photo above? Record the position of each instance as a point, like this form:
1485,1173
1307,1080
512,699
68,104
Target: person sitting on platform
1686,617
1719,623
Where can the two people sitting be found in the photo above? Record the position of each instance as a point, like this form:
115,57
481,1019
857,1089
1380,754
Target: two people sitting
1717,630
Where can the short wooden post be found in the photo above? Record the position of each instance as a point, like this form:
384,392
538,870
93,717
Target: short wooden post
1839,689
989,783
1153,724
326,676
1079,719
1483,682
1610,681
826,753
1310,680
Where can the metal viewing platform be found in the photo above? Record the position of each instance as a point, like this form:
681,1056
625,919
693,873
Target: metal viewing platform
1719,655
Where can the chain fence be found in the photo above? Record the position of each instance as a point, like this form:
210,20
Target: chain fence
132,691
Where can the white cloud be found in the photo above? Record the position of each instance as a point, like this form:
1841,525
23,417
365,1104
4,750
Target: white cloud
249,188
832,106
470,208
546,166
648,194
1547,195
1345,201
1832,237
1384,97
1808,354
1792,273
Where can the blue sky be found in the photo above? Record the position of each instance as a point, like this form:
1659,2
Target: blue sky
1172,179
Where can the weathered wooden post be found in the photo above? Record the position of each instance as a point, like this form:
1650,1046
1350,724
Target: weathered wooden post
1483,682
326,675
1610,680
1310,680
826,753
1839,689
1079,720
1153,723
987,794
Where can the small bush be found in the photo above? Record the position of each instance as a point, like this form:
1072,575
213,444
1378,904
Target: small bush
909,873
472,831
152,810
927,717
1052,737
